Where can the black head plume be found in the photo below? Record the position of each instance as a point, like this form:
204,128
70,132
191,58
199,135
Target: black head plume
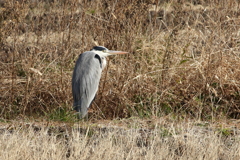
99,48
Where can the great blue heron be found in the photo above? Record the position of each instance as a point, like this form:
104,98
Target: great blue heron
86,77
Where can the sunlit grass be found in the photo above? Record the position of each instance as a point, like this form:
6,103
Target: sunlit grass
176,140
183,58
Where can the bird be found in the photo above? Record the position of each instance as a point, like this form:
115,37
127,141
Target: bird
86,77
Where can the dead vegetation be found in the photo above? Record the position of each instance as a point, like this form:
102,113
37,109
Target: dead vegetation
184,57
158,140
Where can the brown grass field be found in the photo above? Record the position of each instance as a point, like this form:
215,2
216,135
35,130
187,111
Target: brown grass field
132,138
176,95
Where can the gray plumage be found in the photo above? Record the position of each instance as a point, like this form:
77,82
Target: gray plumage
85,83
86,77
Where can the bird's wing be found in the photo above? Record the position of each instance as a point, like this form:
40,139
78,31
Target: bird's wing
85,81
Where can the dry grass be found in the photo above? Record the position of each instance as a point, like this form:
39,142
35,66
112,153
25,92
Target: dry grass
184,57
183,63
160,140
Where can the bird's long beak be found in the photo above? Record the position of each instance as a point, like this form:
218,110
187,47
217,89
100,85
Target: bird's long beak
117,52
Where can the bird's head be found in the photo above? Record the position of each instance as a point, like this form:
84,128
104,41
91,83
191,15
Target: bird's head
103,51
